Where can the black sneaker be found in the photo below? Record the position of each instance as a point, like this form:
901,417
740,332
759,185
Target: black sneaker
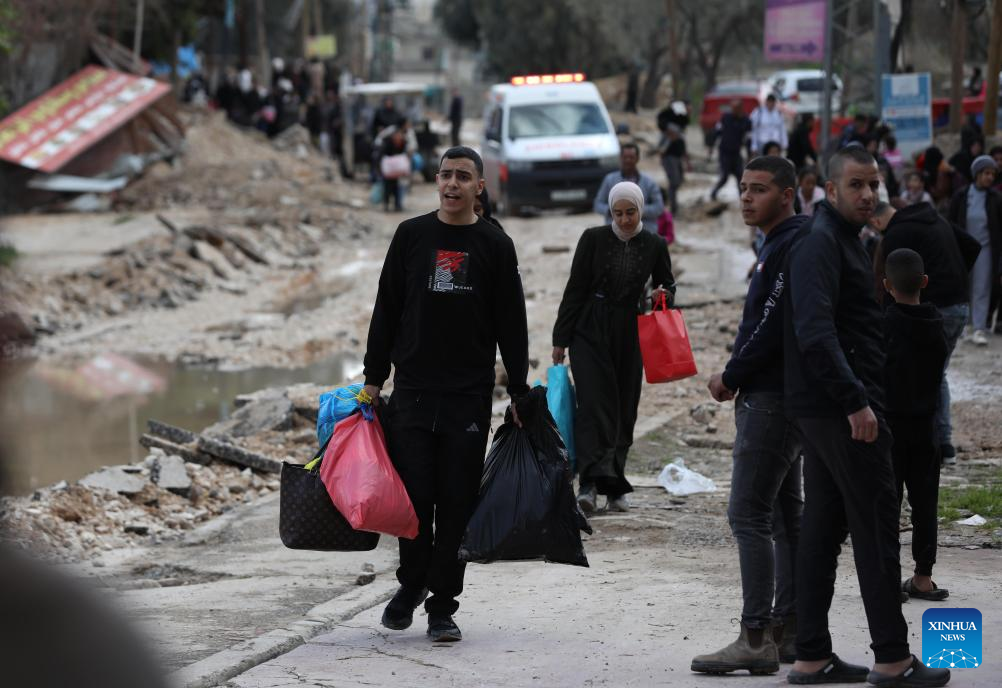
399,613
918,674
442,629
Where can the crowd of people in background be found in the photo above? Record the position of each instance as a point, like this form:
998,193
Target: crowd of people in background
966,187
307,93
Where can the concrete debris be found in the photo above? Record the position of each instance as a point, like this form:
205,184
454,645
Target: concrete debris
78,522
703,413
114,479
169,473
367,576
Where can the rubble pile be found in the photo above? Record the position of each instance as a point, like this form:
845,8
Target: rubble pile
165,272
186,480
267,208
226,168
125,506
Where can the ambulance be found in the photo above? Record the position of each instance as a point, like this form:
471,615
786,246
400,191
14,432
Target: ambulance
548,142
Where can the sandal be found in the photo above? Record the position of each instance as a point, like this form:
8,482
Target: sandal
937,594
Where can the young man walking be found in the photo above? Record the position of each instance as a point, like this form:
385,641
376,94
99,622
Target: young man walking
730,133
449,296
654,204
834,364
766,502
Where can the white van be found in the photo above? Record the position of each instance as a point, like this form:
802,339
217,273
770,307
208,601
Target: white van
801,90
548,142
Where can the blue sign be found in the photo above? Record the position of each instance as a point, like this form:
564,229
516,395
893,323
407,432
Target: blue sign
907,107
951,638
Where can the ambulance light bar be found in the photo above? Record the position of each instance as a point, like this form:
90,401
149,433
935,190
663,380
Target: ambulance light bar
537,79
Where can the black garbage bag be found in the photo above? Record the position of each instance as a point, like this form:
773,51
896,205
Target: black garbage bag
527,508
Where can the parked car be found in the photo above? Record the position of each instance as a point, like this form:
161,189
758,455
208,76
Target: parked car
801,90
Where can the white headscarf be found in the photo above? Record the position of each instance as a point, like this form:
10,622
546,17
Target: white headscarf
627,191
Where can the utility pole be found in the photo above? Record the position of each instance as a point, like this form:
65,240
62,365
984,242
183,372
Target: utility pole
882,50
264,62
318,18
673,47
137,39
305,18
826,94
958,47
994,66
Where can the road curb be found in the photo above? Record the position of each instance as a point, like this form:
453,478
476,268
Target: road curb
235,660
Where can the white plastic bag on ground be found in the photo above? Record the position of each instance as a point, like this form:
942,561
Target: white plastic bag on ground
679,480
975,520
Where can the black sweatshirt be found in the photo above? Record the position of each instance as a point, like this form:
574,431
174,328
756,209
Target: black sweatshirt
916,355
920,228
757,362
449,297
833,343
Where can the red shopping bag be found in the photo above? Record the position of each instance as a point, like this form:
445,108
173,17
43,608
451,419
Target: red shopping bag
664,344
362,482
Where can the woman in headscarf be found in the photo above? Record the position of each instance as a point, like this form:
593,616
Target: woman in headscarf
938,176
597,321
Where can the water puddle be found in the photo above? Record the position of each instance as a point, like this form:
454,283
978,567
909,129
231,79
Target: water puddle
56,424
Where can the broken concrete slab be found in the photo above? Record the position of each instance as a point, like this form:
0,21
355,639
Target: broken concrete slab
234,454
250,419
115,479
213,257
170,474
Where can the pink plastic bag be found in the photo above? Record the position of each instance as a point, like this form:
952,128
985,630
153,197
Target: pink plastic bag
362,482
666,226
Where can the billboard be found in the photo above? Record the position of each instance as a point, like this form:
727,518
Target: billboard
794,30
67,119
907,107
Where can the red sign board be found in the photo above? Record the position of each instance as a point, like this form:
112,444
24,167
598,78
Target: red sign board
63,122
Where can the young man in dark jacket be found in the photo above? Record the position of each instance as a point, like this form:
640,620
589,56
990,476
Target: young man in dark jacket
948,255
765,502
730,132
916,355
834,367
449,296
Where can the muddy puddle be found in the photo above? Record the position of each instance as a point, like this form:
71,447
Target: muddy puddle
60,421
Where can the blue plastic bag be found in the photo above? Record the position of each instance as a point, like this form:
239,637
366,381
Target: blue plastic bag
376,193
560,399
417,162
336,405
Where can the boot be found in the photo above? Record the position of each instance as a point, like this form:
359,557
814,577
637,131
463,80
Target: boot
784,634
587,498
754,651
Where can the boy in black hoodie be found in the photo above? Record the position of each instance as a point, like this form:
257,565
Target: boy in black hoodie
916,354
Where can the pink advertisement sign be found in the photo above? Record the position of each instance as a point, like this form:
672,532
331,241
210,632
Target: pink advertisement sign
794,30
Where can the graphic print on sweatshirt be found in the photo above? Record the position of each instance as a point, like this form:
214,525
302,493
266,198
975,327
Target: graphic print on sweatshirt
449,272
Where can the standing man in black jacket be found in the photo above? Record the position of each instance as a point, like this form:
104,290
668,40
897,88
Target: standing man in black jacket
834,366
449,296
948,255
766,500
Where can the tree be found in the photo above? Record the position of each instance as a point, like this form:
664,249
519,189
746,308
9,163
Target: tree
459,21
900,31
525,36
6,41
